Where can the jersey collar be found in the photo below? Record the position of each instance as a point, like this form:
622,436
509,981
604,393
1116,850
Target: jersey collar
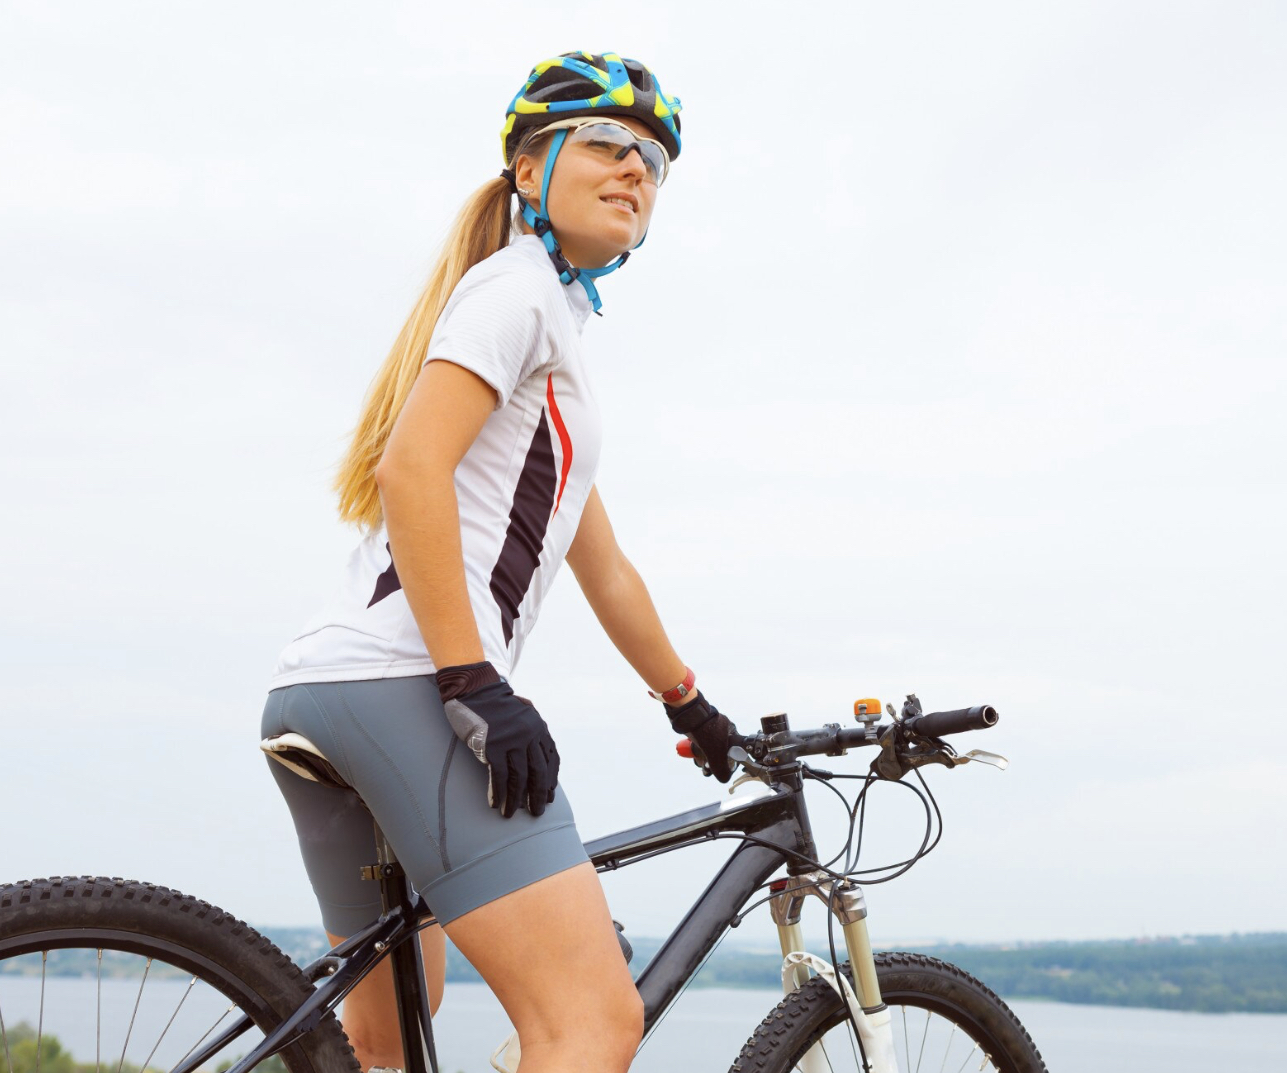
575,295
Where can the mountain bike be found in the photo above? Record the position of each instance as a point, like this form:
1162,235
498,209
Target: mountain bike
890,1012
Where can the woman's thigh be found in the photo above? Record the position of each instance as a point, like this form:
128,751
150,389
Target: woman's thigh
551,955
390,739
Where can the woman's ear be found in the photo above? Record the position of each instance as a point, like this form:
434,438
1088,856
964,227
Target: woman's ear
527,179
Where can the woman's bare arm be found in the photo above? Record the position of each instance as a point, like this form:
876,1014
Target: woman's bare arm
442,417
617,595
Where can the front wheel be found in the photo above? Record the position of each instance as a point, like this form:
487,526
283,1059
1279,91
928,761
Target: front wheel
943,1019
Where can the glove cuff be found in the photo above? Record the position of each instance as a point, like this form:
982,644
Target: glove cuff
686,719
456,681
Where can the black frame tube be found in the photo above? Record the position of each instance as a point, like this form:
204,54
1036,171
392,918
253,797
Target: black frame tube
410,994
780,818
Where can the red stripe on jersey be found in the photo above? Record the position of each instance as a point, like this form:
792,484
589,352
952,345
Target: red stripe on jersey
565,441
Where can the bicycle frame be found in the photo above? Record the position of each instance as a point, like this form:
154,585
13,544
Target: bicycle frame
777,815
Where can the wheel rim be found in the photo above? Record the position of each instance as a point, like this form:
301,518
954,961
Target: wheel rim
930,1036
118,1000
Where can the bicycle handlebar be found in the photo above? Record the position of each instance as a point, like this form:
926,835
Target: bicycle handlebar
937,724
833,739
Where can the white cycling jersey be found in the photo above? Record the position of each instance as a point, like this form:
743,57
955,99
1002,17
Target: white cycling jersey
521,486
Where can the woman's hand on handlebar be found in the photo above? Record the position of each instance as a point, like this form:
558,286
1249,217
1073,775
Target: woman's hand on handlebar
711,733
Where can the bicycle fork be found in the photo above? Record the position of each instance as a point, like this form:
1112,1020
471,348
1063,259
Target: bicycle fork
868,1010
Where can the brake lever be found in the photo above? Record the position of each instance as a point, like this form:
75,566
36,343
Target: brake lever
754,770
897,757
740,756
982,756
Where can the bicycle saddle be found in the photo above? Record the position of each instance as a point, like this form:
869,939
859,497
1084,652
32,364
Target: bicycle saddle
304,758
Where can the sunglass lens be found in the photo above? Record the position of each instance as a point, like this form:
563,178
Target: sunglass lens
618,140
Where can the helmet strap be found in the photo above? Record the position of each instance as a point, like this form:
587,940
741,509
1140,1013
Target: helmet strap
540,223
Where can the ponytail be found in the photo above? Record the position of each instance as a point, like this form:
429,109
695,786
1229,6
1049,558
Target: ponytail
482,228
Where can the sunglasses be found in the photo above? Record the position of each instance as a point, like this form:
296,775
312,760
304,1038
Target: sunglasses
613,141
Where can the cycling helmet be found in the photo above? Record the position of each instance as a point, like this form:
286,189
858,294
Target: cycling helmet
583,83
576,84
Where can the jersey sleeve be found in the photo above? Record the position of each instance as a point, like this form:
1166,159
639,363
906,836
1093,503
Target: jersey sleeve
494,326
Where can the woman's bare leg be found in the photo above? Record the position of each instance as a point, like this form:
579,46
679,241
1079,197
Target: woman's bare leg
550,954
370,1016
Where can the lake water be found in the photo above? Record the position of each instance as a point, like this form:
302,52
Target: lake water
703,1031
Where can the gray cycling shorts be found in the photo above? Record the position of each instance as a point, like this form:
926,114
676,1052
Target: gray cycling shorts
390,740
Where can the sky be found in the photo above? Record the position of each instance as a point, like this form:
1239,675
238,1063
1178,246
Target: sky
953,365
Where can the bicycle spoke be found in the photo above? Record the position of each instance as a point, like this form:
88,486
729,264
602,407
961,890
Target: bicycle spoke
40,1025
5,1037
958,1051
205,1035
98,1017
947,1050
821,1046
168,1023
924,1036
142,983
973,1049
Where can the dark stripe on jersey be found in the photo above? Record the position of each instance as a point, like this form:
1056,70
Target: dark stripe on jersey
528,518
386,583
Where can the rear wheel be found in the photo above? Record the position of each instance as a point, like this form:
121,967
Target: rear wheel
943,1020
132,974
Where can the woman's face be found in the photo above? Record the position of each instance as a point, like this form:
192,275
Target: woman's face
588,187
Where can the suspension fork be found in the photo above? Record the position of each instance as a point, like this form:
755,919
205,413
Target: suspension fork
845,900
850,909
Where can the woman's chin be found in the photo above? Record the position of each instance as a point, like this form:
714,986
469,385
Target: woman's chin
604,255
619,230
608,242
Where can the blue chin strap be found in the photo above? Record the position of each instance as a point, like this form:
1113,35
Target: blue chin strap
540,223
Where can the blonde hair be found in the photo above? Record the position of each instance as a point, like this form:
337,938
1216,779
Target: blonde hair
482,227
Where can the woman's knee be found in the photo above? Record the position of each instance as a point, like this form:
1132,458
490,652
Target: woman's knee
618,1018
631,1021
602,1032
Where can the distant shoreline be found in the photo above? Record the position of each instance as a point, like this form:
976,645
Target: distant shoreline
1241,973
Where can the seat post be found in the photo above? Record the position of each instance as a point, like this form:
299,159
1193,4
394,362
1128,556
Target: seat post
410,990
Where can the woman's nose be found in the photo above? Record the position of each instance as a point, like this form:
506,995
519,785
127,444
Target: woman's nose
631,163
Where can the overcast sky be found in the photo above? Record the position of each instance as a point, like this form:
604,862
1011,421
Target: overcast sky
953,364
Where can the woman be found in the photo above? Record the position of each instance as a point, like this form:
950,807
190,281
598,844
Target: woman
472,469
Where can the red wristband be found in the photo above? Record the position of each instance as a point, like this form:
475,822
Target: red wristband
679,692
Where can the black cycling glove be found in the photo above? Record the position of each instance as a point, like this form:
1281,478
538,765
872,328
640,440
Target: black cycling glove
506,733
711,733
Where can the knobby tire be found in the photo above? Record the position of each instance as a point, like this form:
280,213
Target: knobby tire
193,935
912,981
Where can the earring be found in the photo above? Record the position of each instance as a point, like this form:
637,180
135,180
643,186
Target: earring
525,193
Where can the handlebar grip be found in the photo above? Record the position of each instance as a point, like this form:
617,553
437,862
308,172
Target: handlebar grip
938,724
684,748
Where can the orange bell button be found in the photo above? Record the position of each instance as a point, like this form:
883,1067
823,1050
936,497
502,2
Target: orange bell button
869,706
